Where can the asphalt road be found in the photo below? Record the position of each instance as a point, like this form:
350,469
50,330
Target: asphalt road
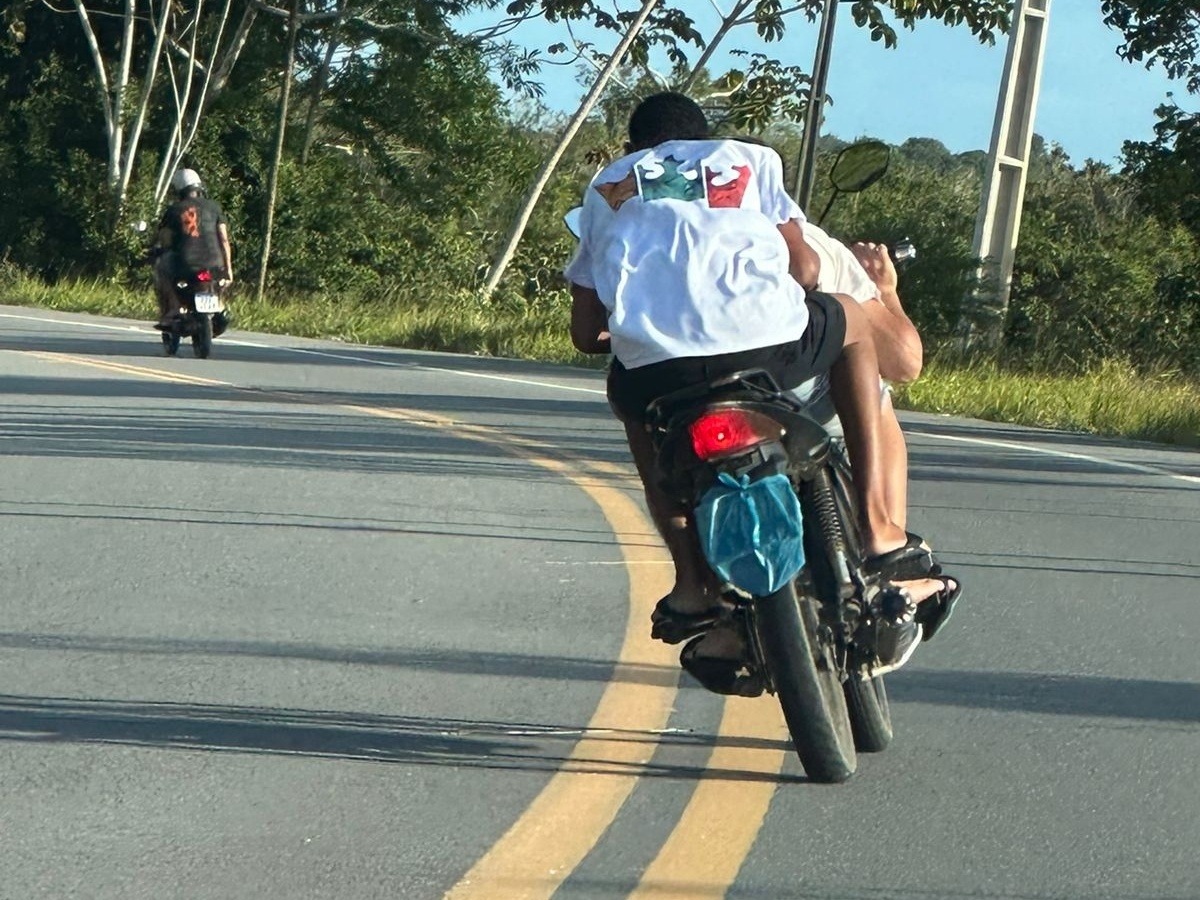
309,620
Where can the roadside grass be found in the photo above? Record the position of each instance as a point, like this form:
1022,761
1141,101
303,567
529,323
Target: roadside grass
1113,400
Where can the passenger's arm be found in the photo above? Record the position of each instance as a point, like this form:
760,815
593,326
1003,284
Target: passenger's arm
805,265
897,341
589,321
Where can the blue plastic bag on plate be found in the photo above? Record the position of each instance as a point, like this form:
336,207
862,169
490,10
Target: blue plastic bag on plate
752,532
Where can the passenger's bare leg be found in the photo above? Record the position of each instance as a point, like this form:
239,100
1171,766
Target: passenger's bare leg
895,462
854,379
693,588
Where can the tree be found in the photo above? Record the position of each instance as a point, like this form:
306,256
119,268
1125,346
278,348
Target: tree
1166,32
197,75
1166,170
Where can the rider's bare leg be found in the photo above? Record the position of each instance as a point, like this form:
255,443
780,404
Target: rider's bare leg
854,380
693,591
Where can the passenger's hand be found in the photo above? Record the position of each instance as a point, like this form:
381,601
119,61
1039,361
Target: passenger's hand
876,259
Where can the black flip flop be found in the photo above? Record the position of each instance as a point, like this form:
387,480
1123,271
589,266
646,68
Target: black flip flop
914,560
719,674
934,612
673,627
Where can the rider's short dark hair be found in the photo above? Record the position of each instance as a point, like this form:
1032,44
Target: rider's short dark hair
668,116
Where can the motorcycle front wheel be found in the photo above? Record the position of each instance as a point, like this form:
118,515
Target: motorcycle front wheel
202,337
870,714
807,684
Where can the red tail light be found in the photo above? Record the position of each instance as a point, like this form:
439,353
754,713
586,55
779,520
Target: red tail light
204,276
731,431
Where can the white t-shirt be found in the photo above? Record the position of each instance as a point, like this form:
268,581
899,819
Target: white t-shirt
681,245
841,273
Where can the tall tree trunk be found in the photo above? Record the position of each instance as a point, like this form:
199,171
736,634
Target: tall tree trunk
273,179
548,167
139,118
314,102
318,87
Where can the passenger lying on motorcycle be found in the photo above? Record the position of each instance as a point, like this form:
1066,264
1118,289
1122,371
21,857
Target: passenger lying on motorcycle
690,265
193,236
866,273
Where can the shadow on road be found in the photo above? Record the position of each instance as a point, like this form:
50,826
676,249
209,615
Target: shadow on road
1088,696
455,662
311,429
359,736
458,522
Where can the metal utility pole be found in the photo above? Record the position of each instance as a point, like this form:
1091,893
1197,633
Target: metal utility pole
807,163
999,222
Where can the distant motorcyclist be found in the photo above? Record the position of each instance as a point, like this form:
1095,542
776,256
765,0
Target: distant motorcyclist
192,236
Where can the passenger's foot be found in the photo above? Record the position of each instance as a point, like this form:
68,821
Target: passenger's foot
912,559
934,610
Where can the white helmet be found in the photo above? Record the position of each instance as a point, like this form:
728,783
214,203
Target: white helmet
184,180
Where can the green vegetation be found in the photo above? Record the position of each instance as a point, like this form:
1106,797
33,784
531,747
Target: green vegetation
1112,400
403,164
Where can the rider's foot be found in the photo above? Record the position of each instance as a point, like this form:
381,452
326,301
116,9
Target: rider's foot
883,538
719,660
684,614
912,559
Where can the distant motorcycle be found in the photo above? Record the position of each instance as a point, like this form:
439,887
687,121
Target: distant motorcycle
201,316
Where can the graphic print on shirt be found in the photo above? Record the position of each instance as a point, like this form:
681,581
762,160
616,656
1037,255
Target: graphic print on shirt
721,186
617,192
669,179
189,221
727,186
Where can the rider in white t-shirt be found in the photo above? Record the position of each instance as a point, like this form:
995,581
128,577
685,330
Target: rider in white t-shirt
701,268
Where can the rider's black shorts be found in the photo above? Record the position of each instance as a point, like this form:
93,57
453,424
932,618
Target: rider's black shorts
630,391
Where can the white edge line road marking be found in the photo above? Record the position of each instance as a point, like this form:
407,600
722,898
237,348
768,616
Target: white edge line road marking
325,353
986,442
1064,454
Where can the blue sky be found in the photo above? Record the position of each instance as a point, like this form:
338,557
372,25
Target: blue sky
942,83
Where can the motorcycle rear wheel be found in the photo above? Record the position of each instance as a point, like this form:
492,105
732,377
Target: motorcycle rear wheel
807,683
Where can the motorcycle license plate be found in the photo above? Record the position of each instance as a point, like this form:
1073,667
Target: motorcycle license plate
207,303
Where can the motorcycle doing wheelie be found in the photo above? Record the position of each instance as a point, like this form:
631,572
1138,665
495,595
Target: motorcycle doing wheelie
201,315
